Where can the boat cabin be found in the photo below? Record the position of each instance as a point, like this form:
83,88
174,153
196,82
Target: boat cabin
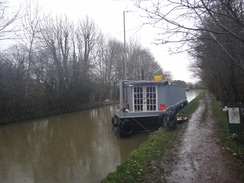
144,101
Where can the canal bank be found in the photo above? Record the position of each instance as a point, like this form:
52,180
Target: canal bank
192,153
33,116
74,147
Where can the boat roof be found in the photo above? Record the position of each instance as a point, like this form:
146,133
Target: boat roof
144,82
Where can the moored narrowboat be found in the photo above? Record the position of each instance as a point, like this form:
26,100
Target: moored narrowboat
147,105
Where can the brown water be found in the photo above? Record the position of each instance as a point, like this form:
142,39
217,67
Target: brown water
74,147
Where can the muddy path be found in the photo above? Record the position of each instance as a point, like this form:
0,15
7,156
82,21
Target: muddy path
199,157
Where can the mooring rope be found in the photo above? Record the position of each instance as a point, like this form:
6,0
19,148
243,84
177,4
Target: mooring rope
142,126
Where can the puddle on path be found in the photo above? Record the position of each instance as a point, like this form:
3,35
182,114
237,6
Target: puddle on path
200,157
187,167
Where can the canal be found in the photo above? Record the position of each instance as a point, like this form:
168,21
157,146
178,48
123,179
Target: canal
75,147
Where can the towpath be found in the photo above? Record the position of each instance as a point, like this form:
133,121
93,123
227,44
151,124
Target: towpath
200,157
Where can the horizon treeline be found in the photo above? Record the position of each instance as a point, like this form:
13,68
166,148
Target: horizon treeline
59,66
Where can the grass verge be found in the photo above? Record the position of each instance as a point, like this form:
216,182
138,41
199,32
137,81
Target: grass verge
157,146
233,143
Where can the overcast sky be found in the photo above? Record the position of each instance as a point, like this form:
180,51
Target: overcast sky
108,15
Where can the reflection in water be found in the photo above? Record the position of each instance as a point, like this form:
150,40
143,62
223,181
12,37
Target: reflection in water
190,95
74,147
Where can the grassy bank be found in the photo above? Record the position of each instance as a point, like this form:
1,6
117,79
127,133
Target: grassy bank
143,161
233,143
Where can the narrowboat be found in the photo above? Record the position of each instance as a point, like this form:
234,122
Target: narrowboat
147,105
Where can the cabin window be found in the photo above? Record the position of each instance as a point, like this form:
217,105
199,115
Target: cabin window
138,98
145,98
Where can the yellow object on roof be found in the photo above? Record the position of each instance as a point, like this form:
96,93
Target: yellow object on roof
158,78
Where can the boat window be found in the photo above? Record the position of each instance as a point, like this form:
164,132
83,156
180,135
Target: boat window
138,98
145,98
151,98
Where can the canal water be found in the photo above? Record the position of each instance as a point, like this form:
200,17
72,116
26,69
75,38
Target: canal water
74,147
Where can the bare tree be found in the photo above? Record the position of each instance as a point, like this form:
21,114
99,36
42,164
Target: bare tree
55,41
182,21
86,34
142,59
59,66
6,20
213,32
